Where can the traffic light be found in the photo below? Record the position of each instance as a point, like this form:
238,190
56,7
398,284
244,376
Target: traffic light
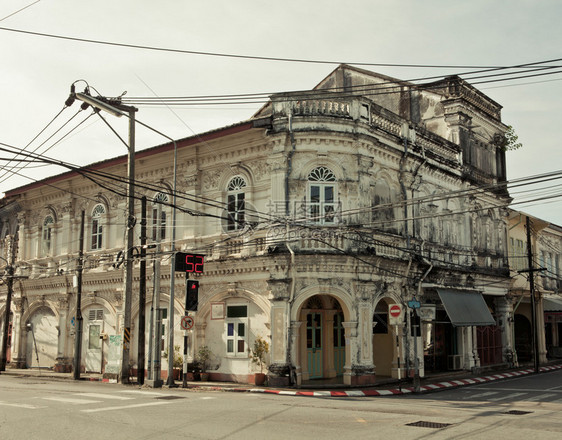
415,324
192,295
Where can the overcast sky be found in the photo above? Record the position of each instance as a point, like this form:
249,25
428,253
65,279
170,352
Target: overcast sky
37,71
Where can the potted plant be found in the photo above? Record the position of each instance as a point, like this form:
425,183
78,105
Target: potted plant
259,351
177,361
203,355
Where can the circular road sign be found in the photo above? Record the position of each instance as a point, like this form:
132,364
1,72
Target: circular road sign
395,310
187,322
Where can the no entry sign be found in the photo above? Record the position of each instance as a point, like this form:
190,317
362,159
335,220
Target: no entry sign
394,314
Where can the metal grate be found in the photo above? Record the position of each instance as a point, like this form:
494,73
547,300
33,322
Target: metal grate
516,412
169,397
423,424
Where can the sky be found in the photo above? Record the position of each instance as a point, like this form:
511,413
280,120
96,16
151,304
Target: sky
36,72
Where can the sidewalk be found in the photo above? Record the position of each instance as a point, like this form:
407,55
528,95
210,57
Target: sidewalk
387,387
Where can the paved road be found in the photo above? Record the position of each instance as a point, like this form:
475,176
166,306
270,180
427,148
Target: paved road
540,388
41,409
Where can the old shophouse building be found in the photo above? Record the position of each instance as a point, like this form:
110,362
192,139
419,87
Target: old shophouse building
316,215
545,256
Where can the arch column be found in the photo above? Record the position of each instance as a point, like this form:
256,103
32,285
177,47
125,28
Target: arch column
295,352
63,363
504,310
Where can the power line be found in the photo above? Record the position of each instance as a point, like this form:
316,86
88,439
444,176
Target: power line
248,57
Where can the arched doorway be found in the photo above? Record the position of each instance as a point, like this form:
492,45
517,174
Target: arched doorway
42,339
383,340
523,338
322,347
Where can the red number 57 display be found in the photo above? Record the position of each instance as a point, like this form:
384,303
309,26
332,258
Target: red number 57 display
191,263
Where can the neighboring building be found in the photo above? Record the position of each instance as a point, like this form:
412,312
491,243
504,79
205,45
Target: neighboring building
317,215
546,250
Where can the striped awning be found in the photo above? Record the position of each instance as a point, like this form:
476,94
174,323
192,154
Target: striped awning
552,304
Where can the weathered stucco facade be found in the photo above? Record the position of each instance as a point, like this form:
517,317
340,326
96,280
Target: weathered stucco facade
316,215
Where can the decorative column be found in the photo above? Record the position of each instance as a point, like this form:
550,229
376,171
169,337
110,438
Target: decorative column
296,360
540,325
504,310
474,346
63,362
17,350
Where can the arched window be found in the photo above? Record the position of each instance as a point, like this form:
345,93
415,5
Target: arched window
384,211
46,234
97,227
162,199
236,203
322,193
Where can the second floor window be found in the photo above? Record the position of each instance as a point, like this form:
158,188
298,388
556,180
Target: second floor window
97,227
162,199
322,196
46,235
236,203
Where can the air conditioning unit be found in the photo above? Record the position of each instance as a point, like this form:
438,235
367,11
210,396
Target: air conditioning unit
454,362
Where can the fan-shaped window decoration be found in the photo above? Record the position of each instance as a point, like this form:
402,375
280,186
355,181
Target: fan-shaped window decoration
322,193
46,234
314,303
97,227
236,203
321,174
160,198
236,183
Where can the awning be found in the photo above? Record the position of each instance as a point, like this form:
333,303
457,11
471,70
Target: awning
552,304
465,307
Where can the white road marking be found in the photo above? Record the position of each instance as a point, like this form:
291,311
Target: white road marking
69,400
104,396
146,393
114,408
21,405
207,398
474,396
539,397
509,396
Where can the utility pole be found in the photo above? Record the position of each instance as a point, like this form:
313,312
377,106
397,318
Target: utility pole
533,299
10,285
78,318
117,109
155,338
171,307
142,296
128,275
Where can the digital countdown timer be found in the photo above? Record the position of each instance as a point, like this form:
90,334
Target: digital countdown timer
190,263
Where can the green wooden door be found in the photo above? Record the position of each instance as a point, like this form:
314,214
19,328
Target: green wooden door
314,344
339,344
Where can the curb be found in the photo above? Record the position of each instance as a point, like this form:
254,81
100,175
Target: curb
395,392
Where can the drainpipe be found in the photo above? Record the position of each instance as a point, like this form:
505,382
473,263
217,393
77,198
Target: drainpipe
289,164
291,273
416,361
291,269
403,187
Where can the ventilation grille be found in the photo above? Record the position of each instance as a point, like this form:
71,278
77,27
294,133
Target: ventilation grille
95,315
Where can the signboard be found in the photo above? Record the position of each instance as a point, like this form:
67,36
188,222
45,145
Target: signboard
114,354
187,322
414,304
395,314
189,263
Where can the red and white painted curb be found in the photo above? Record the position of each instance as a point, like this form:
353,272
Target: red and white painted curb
407,390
